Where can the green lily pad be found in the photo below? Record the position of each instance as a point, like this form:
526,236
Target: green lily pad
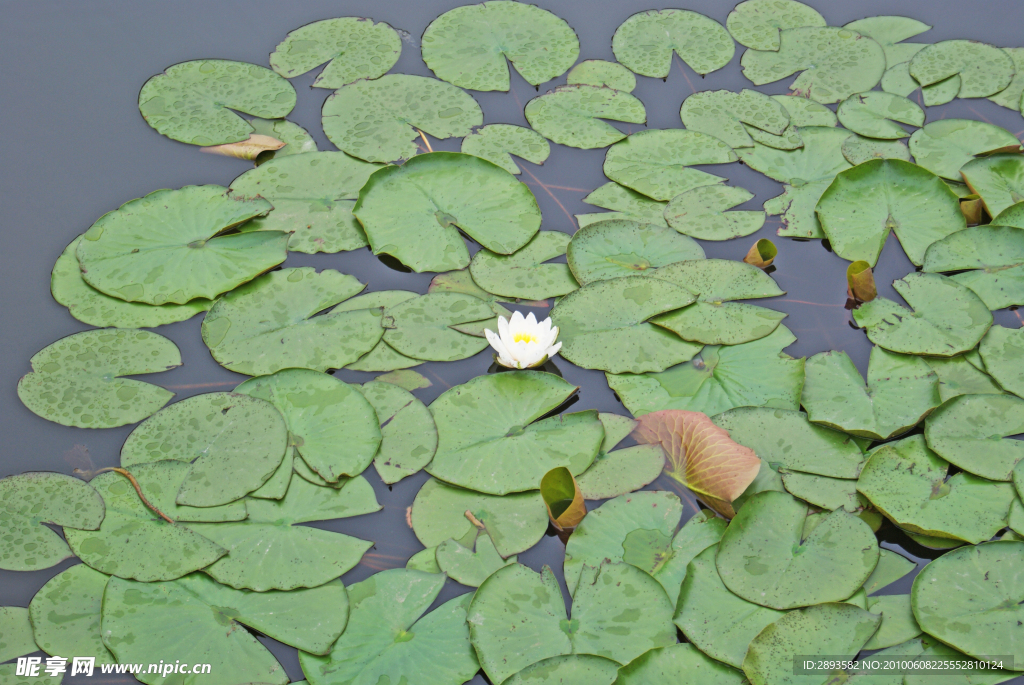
607,619
391,638
414,212
825,493
936,656
470,565
467,46
31,499
803,112
195,102
1015,520
898,623
911,485
568,669
382,357
571,115
1003,352
834,629
616,472
766,558
957,376
352,47
970,599
498,142
599,72
295,138
656,162
939,93
1011,216
425,560
726,115
756,23
943,147
90,306
267,551
167,247
900,391
424,327
78,380
9,671
947,318
524,275
998,179
835,63
872,115
514,522
380,120
644,43
970,431
904,198
17,633
490,439
858,150
1010,96
625,204
620,247
701,213
321,413
409,437
721,377
677,664
313,195
245,337
789,139
983,69
891,567
715,620
898,81
889,32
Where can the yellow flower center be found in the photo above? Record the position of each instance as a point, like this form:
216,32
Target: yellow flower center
525,337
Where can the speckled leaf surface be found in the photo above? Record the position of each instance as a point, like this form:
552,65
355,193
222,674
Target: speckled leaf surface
414,212
803,112
1003,352
568,669
616,472
498,142
756,24
702,213
789,139
166,247
825,493
947,318
352,47
957,376
572,115
620,247
467,46
470,566
944,146
723,113
644,43
78,380
878,115
984,69
599,72
625,204
382,357
889,32
998,179
858,149
898,81
408,435
971,431
677,664
523,274
380,120
17,637
668,563
891,567
192,102
423,328
940,93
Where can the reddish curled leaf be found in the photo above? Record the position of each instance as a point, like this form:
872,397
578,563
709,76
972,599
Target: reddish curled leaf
700,455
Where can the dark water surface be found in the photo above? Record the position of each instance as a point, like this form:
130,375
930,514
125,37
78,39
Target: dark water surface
75,147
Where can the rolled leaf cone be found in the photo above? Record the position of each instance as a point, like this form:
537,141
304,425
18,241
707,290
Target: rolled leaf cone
250,148
860,282
761,254
563,498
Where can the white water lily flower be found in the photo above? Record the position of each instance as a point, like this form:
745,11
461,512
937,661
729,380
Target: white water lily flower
522,343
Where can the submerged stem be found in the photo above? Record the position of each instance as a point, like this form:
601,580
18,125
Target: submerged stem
425,141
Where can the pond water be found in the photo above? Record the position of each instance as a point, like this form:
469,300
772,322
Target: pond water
75,147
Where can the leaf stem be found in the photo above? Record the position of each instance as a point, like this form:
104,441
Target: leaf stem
138,490
425,141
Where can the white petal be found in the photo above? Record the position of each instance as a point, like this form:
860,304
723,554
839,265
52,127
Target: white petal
553,350
498,345
503,328
517,319
531,319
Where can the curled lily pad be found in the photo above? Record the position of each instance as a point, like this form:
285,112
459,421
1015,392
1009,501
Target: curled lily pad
761,254
598,72
766,557
998,179
424,327
249,149
78,380
616,472
471,565
857,150
944,146
911,485
408,434
677,664
66,614
900,391
645,42
957,376
167,247
983,69
726,115
414,212
467,46
276,322
656,162
313,195
947,318
873,114
498,142
353,48
563,498
860,282
971,431
31,499
756,24
391,638
625,203
835,63
702,213
380,120
295,138
603,325
620,247
490,439
571,115
720,378
990,260
523,274
193,101
1003,352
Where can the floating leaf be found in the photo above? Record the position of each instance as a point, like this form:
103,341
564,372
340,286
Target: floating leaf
523,274
860,282
569,669
1003,352
944,146
626,204
570,115
424,327
563,498
971,430
957,376
676,664
726,115
939,93
193,101
467,46
409,437
462,282
702,213
891,567
598,72
898,81
414,212
617,472
858,150
947,318
353,48
380,120
761,254
803,112
788,140
425,560
1010,96
756,24
296,139
498,142
835,63
382,357
406,379
603,325
620,247
17,633
983,69
78,380
825,493
872,115
249,149
720,378
889,31
656,162
998,179
900,391
644,43
471,565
